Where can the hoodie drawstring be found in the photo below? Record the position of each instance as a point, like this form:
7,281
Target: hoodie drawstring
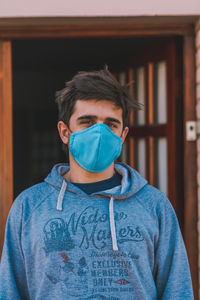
111,214
112,225
61,195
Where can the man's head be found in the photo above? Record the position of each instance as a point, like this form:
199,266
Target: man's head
97,85
92,98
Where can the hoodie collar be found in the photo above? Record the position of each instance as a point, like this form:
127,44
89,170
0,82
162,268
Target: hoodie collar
131,183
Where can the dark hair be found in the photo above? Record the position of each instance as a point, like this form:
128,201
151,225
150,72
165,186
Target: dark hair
98,85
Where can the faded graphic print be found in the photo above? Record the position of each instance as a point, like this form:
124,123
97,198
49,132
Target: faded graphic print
71,272
99,297
65,268
57,236
77,257
90,227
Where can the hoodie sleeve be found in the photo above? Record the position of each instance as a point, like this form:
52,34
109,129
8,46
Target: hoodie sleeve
172,274
12,270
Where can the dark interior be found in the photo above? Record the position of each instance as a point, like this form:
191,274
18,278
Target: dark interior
40,68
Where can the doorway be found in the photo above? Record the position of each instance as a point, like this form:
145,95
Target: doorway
139,37
41,67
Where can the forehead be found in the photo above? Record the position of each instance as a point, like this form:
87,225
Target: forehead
99,108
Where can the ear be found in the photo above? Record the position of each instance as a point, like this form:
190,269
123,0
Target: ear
124,134
63,132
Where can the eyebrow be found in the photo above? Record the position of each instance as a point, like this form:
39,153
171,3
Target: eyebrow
86,117
93,117
113,120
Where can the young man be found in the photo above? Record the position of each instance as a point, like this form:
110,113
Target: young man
93,229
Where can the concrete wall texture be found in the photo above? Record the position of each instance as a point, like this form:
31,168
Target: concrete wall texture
37,8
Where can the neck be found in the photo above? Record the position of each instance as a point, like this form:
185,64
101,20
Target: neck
77,174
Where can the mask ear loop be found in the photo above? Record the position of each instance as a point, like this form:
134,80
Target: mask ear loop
69,132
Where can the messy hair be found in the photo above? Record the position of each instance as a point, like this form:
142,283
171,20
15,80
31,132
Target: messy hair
96,85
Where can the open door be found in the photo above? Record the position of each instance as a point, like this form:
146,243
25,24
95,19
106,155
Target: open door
154,146
6,156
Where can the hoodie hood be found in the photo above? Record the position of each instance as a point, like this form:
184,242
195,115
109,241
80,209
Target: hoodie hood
131,184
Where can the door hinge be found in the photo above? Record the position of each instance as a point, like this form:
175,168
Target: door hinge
191,131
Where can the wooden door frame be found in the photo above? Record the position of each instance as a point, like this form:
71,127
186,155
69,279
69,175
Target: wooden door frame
90,28
120,28
6,135
190,160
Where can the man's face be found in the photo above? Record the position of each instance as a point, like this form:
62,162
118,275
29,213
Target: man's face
90,112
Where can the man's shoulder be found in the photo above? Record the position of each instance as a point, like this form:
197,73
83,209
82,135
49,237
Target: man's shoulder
150,192
40,189
31,197
152,199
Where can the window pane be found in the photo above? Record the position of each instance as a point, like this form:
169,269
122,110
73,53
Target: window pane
140,92
122,78
160,93
123,156
161,164
141,156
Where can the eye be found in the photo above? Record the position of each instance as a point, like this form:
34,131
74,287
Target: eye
111,125
87,122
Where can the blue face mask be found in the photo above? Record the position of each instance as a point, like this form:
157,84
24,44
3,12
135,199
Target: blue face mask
95,148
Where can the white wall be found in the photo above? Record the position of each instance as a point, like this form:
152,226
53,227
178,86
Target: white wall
39,8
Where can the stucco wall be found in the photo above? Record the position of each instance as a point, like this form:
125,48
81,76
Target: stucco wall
20,8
